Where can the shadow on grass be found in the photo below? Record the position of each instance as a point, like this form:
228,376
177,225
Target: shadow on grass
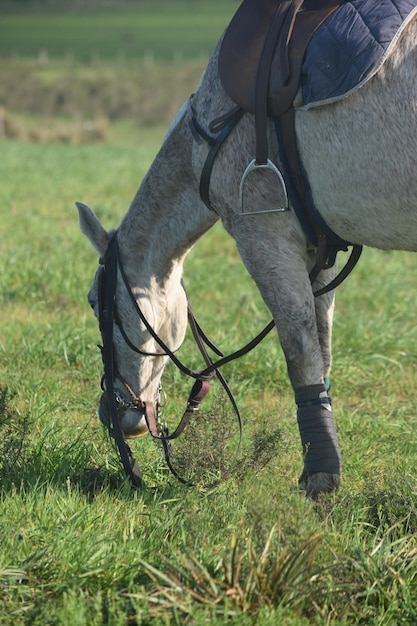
28,461
208,453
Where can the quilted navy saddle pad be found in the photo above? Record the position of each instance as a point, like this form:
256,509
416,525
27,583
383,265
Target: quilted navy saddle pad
350,47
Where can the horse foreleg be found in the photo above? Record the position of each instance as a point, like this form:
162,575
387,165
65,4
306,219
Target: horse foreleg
321,417
280,268
324,308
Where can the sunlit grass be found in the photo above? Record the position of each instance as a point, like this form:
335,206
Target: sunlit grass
78,546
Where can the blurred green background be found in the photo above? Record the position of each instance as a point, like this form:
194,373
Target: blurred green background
83,72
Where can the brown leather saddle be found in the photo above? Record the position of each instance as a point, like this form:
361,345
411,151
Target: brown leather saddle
260,62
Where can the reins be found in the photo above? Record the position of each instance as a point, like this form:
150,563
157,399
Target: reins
201,339
108,315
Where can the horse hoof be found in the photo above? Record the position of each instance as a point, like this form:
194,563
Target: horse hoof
320,483
317,484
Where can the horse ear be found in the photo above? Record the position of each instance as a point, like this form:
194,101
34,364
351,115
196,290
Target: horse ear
91,227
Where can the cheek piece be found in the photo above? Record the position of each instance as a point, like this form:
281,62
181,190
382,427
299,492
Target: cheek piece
317,430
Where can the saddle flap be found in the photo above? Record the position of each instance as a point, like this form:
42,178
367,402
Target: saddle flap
288,25
241,50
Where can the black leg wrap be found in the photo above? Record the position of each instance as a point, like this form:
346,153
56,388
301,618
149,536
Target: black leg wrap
317,430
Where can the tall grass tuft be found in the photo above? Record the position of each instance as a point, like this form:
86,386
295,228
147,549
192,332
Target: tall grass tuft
211,450
246,580
14,436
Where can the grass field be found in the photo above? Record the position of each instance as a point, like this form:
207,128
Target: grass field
78,547
160,30
84,65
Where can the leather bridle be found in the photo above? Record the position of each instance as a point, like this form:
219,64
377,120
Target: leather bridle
110,266
108,317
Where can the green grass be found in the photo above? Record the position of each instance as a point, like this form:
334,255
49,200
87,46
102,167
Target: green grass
78,547
84,67
108,95
157,30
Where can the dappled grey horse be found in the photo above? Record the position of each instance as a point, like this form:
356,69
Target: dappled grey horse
358,153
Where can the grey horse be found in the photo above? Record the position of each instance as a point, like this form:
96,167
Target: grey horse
359,154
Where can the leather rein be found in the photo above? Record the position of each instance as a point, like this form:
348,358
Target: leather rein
110,266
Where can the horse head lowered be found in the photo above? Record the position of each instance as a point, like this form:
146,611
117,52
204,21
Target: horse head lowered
146,321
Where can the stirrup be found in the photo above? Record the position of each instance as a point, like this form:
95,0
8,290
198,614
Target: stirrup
254,166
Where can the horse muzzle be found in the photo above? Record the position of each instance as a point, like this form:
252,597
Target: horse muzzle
131,417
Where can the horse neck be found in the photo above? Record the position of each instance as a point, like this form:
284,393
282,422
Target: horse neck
166,216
